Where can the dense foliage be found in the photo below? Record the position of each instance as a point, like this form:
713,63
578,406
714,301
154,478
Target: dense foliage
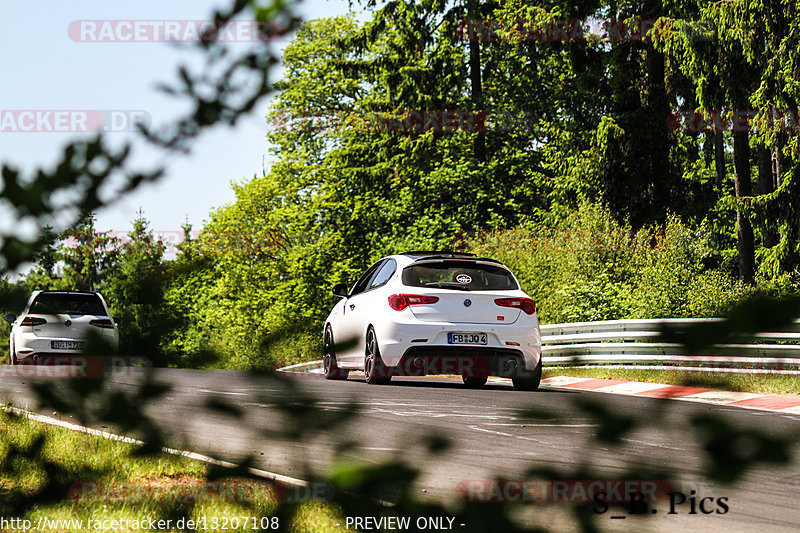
612,169
570,195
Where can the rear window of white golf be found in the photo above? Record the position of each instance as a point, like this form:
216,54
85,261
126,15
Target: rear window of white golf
68,304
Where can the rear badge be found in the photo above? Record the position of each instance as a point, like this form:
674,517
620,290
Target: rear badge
68,323
467,302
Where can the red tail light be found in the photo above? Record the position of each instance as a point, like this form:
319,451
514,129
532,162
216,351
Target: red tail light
33,321
398,302
526,304
102,323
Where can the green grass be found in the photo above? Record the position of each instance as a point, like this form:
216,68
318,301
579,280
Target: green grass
107,482
761,383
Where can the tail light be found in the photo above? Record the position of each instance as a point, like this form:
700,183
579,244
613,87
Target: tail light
102,323
398,302
33,321
525,304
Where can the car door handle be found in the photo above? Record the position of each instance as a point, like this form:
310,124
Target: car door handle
352,306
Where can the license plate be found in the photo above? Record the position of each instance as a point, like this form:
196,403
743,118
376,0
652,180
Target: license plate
466,338
66,345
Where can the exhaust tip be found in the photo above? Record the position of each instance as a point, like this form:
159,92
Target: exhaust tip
510,366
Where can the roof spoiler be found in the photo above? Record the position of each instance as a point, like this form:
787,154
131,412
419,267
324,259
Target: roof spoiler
438,253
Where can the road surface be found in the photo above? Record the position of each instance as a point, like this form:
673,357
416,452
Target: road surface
491,437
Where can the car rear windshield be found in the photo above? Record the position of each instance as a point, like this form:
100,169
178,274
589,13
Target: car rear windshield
68,304
459,275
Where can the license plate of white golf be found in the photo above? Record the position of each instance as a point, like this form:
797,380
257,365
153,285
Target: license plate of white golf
466,338
66,345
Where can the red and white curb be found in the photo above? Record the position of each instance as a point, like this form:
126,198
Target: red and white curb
749,400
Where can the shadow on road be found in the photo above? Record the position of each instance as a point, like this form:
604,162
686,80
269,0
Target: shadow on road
446,383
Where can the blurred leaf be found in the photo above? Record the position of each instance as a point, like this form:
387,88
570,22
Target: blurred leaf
732,451
613,425
224,407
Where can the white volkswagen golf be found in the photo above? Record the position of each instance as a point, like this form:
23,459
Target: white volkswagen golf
57,324
423,313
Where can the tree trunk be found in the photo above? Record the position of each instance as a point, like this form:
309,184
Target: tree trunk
743,187
765,186
659,106
719,159
479,144
777,153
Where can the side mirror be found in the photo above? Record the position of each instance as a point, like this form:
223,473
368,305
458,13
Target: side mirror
9,318
340,290
116,320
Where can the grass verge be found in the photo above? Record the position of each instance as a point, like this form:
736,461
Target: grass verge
60,480
760,383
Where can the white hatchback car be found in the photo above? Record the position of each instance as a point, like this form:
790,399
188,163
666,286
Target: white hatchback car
422,313
56,324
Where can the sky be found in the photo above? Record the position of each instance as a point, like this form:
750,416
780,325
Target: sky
47,67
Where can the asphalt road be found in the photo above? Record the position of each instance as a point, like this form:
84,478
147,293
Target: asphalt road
490,436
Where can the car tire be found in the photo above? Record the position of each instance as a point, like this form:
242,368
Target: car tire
473,382
12,357
329,365
375,372
528,381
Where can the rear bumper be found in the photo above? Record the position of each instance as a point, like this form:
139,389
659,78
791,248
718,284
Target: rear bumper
416,348
462,361
28,345
31,348
52,358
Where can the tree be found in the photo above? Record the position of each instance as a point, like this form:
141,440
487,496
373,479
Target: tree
44,275
362,169
195,338
135,291
88,256
768,34
722,77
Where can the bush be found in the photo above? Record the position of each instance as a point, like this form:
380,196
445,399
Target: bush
258,300
590,267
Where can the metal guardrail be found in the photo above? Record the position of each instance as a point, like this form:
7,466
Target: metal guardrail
628,344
